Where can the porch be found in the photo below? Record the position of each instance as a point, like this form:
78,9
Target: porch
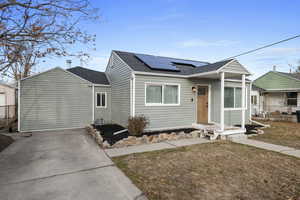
229,100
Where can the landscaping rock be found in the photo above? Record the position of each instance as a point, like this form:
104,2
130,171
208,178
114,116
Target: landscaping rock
259,131
106,144
145,139
173,136
153,139
181,135
195,134
163,136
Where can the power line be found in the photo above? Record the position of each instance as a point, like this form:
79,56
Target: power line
266,46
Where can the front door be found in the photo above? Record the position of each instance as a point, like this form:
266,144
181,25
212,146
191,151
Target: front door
202,105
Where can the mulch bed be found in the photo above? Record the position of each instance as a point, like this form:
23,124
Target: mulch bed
250,128
5,141
107,132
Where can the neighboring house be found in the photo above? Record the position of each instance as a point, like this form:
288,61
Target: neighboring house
256,100
171,93
7,101
279,91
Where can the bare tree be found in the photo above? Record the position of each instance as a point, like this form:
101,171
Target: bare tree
33,29
297,70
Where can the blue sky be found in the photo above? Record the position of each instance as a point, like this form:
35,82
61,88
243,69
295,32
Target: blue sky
202,30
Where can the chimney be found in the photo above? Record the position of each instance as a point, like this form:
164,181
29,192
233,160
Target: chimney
274,68
69,63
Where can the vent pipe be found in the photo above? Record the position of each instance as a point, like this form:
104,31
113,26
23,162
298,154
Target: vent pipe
69,63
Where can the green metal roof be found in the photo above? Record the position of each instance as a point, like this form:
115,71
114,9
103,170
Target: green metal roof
277,81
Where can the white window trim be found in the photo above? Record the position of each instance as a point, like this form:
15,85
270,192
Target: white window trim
105,93
256,96
162,95
246,99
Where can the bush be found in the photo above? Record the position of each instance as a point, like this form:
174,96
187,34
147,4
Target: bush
137,125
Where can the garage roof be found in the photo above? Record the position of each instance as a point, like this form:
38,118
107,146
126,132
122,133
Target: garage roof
93,76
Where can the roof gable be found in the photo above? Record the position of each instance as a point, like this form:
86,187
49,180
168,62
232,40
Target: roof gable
234,65
277,81
56,71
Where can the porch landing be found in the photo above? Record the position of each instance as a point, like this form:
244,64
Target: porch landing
214,130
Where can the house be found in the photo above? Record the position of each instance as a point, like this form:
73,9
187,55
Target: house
279,91
7,101
171,93
256,100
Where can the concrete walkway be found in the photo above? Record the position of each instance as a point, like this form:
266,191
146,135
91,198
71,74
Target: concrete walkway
61,165
154,147
272,147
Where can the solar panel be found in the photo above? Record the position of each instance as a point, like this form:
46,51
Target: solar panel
189,62
164,63
155,62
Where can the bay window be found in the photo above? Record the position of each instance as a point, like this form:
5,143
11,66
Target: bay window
162,94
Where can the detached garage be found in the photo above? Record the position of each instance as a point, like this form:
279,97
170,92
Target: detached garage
60,99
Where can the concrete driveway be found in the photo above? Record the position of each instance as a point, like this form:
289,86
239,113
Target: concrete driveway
61,165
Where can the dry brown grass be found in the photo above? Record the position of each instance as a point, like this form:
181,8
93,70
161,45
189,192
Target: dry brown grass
282,133
220,170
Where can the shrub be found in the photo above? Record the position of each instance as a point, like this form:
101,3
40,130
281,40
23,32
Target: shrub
137,125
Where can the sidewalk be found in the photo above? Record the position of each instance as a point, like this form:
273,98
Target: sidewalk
154,147
272,147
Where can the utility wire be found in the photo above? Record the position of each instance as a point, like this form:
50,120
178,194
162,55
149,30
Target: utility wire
266,46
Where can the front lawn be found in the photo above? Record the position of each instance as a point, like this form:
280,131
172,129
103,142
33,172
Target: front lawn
281,133
219,170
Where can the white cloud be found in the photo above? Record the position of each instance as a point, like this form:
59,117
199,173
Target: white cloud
203,43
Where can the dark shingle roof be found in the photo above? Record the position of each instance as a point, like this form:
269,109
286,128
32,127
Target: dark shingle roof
93,76
138,65
254,87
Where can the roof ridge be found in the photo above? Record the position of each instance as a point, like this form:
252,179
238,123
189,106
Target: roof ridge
287,75
162,56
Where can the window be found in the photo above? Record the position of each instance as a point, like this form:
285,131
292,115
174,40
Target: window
101,100
229,97
254,100
291,98
233,97
162,94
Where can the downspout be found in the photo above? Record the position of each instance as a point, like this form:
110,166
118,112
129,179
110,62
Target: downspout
133,94
19,105
249,100
93,102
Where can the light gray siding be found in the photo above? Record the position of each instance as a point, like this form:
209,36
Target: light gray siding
236,67
185,114
55,100
103,113
119,75
166,116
